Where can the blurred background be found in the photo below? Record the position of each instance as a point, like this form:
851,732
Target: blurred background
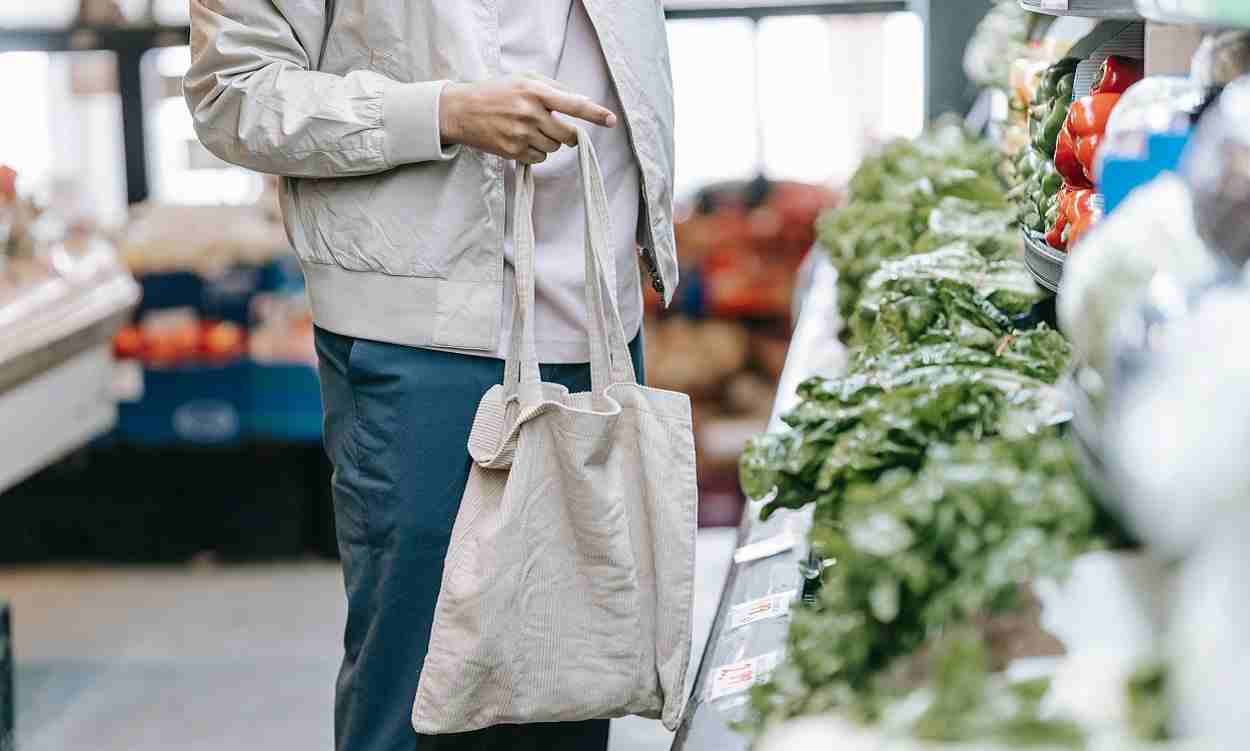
167,554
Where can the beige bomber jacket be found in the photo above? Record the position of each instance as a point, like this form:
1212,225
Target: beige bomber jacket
400,239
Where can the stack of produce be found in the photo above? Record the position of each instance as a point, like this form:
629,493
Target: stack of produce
940,489
1077,149
178,338
746,242
1038,183
917,194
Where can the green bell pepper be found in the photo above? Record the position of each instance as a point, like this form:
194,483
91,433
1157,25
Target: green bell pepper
1052,181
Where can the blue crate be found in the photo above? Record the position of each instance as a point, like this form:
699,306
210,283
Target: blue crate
172,289
285,403
224,296
227,296
193,405
282,274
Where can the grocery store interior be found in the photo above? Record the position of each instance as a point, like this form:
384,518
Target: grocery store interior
962,283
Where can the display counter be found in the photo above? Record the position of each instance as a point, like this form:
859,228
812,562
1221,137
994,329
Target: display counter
749,632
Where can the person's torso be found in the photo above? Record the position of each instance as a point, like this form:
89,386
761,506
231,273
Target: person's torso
555,39
444,221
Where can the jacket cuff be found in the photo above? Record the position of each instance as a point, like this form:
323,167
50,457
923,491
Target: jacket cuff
410,123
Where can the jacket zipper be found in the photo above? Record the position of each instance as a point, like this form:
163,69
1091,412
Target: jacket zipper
646,250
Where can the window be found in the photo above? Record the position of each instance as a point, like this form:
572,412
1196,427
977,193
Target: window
796,97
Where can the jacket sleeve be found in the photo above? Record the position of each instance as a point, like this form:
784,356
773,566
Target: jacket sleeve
257,101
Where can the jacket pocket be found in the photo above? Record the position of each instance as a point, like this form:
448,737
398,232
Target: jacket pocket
361,224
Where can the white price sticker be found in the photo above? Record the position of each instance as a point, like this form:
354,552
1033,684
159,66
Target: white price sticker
769,546
737,677
769,606
1054,4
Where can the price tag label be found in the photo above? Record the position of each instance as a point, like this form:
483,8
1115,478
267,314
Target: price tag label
1054,4
769,546
737,677
769,606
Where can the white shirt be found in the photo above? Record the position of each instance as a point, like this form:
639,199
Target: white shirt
556,39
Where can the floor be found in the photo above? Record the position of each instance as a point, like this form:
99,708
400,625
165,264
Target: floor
204,657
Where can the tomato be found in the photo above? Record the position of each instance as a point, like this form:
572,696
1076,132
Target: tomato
222,341
128,343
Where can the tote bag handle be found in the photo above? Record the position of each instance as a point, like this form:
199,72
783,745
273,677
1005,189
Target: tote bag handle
610,361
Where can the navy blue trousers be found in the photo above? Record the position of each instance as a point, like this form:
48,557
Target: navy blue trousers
397,421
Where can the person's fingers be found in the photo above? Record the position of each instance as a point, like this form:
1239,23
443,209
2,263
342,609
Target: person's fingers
533,156
543,142
553,83
557,130
578,106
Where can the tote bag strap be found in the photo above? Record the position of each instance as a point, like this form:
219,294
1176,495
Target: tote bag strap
610,361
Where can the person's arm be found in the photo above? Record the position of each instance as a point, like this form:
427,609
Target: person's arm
257,102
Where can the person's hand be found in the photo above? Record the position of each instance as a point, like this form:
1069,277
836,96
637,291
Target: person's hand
512,117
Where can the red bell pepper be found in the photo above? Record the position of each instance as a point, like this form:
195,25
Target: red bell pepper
1087,121
1082,215
1087,153
1089,114
1067,162
1076,215
1117,74
1055,238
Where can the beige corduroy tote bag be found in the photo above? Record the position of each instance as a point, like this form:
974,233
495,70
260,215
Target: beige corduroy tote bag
566,593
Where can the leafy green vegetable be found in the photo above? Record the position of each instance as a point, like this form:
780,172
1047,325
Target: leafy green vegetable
1006,284
990,231
952,307
938,489
919,552
932,190
1150,702
970,703
855,428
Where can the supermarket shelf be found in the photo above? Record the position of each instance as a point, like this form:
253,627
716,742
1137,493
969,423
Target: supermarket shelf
737,654
1044,262
686,9
56,374
93,38
1171,12
1121,9
54,413
48,337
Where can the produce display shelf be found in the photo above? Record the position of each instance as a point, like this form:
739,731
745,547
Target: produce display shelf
749,632
54,413
1122,9
1045,263
78,320
1176,13
56,377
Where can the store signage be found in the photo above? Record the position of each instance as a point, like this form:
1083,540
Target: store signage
737,677
206,421
761,609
